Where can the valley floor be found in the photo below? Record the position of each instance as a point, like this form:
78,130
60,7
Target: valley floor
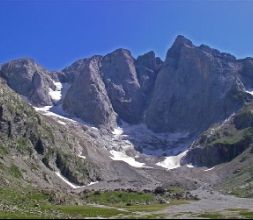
211,205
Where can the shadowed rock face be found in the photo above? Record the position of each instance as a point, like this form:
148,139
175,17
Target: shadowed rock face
147,67
87,98
120,78
223,142
28,79
195,87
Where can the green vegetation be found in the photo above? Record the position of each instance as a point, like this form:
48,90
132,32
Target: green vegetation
23,145
211,215
155,207
3,151
234,138
15,172
119,198
89,211
29,203
246,214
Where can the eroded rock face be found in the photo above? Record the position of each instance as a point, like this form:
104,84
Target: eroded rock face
70,73
147,67
120,78
195,87
87,98
28,79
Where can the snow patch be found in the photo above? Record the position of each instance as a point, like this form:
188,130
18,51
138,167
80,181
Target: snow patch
122,156
209,169
249,91
61,122
189,166
72,185
43,109
67,182
81,156
117,131
47,110
56,94
172,162
92,183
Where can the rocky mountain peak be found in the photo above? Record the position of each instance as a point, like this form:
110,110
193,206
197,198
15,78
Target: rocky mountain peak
29,79
87,98
180,45
182,41
148,60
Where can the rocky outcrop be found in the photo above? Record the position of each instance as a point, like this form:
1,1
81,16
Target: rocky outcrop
120,78
222,143
28,79
196,86
87,98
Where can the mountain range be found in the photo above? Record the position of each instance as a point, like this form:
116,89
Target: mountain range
115,121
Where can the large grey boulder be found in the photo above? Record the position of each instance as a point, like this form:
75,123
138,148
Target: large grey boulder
87,97
28,79
196,86
121,81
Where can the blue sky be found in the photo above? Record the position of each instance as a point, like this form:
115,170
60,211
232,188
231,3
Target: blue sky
57,32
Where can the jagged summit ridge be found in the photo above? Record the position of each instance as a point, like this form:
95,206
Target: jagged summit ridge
195,87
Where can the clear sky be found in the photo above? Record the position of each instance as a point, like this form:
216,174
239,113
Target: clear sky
57,32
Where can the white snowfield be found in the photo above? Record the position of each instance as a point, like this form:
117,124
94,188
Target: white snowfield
122,156
172,162
56,94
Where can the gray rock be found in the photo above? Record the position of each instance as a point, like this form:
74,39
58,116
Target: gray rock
70,73
120,78
87,98
147,67
196,86
28,79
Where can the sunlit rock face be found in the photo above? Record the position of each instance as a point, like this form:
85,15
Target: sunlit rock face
196,86
29,79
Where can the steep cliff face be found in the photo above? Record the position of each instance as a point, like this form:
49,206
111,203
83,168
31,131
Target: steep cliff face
28,79
87,98
147,67
120,78
195,87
